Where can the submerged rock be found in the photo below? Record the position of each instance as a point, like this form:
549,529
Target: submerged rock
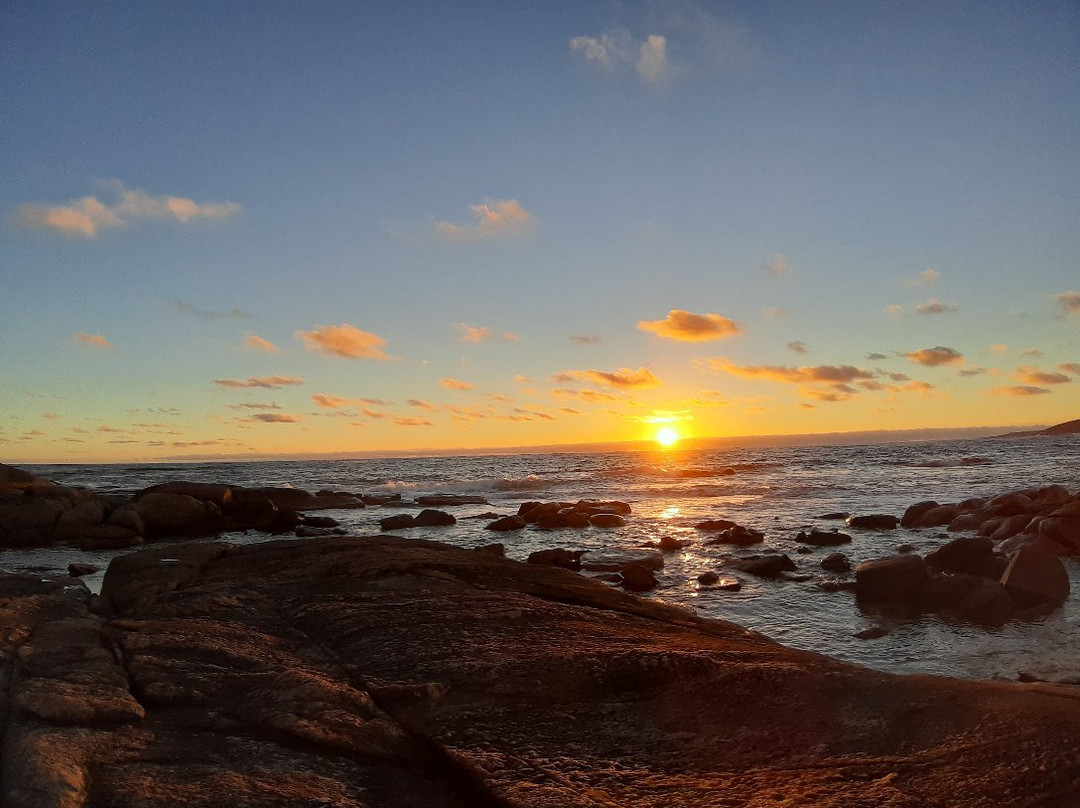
874,521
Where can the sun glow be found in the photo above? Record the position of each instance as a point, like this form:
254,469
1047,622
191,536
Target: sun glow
667,437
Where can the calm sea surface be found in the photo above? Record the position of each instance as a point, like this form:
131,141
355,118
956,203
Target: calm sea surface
777,490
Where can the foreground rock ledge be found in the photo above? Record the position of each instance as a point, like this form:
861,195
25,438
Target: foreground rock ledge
398,673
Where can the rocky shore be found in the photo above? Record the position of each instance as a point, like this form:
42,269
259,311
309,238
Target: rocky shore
381,671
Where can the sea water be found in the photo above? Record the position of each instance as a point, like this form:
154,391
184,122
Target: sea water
779,491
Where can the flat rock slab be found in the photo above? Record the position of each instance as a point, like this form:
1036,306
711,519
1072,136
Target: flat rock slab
388,673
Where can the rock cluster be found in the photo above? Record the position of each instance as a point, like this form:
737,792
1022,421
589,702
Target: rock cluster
555,515
1047,518
390,673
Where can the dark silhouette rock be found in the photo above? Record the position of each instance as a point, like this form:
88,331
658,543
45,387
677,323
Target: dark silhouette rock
915,512
506,523
107,537
496,549
715,525
765,566
873,521
669,544
896,579
557,557
319,521
708,578
398,521
79,570
638,577
738,536
449,500
937,517
840,515
961,555
836,562
871,633
823,538
433,518
1034,575
375,500
606,520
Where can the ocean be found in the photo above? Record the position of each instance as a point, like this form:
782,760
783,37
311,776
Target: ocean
779,491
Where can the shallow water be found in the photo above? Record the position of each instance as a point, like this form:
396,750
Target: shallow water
778,490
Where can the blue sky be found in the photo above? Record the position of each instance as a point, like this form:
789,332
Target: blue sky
506,195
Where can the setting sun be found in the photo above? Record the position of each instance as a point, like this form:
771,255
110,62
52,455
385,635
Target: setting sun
667,436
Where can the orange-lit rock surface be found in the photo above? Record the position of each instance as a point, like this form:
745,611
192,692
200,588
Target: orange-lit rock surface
397,673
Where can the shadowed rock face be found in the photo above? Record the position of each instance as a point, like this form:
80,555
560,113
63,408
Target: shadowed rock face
398,673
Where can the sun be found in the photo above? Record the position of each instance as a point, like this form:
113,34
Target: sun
667,437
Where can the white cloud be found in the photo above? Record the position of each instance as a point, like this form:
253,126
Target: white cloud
343,340
928,277
652,62
935,306
89,215
495,218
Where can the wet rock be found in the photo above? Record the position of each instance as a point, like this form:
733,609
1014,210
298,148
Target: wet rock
738,536
593,506
305,532
904,549
669,544
448,500
528,507
708,578
823,538
506,523
496,549
398,521
606,520
965,521
1064,530
1010,526
936,517
716,525
988,602
873,521
765,566
804,550
166,514
896,579
319,521
79,570
915,512
433,518
871,633
1034,575
557,557
638,577
836,562
380,499
841,515
107,537
961,555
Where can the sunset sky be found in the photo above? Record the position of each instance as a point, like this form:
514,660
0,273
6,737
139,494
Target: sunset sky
234,228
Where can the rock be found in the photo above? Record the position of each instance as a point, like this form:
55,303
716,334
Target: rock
896,579
166,514
961,555
528,507
448,500
380,499
394,673
836,562
72,521
127,517
965,521
1063,530
669,544
14,478
486,515
107,537
319,521
738,536
638,577
904,549
988,602
936,517
78,570
593,506
506,523
765,566
604,520
398,521
557,557
841,515
728,584
1009,505
576,519
615,560
433,518
1034,575
708,578
823,538
915,512
874,521
871,633
495,549
715,525
305,532
1010,526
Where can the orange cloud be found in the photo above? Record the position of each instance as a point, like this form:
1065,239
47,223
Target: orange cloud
423,405
935,306
933,357
1070,367
267,382
686,327
999,348
497,218
275,418
456,384
591,396
259,344
1030,374
623,378
88,215
1068,303
822,374
337,402
343,340
928,277
472,333
1018,390
93,340
894,310
413,422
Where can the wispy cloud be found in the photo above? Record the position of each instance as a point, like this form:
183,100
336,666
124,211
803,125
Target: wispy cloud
928,277
88,215
456,384
1070,367
777,267
774,313
894,310
402,421
257,343
481,333
623,378
585,339
275,418
495,218
1029,374
590,396
266,382
337,402
1021,390
255,405
343,340
422,405
1068,303
686,327
799,347
830,374
617,50
999,348
207,314
935,306
93,340
934,357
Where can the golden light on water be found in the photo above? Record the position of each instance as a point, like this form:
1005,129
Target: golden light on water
667,437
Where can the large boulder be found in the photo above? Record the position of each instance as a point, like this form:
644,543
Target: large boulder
915,512
28,520
430,517
764,566
165,514
557,557
506,523
896,579
823,538
938,516
967,554
1035,576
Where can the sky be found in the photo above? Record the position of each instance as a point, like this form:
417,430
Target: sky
232,229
